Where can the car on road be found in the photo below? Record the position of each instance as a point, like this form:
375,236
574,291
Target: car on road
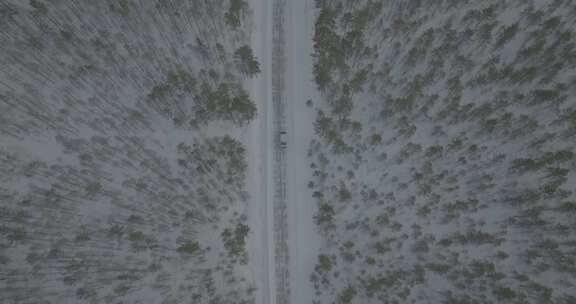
282,139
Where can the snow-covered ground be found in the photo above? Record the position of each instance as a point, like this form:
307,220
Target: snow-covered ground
445,155
120,181
303,242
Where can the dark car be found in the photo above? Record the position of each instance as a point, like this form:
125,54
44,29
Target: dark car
282,139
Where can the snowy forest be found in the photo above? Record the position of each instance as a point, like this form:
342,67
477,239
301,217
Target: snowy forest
139,144
443,165
119,179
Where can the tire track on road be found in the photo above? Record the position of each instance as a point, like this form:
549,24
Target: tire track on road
279,124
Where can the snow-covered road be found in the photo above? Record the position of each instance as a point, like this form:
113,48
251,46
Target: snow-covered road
279,120
283,244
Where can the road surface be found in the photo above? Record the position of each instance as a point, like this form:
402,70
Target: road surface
284,234
279,202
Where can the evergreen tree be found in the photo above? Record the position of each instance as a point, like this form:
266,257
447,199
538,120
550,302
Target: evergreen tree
246,61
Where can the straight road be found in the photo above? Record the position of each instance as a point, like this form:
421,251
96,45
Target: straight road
281,266
284,234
